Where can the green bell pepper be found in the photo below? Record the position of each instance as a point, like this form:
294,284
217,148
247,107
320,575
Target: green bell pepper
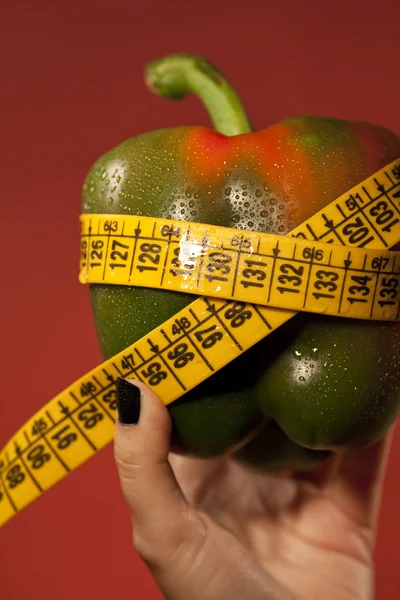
317,383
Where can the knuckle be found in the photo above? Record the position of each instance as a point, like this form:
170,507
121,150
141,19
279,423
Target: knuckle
145,549
129,466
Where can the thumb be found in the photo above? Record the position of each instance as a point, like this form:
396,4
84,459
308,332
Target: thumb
164,522
188,554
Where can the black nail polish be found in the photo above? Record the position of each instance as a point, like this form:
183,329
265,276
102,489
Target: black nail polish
128,402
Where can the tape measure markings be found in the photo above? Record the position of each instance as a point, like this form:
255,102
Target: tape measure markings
79,420
349,201
89,388
84,411
237,261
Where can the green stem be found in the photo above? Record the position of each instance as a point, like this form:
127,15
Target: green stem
176,76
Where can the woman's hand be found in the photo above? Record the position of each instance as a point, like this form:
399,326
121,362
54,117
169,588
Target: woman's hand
216,530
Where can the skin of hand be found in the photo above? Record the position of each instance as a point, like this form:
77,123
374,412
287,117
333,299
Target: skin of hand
216,530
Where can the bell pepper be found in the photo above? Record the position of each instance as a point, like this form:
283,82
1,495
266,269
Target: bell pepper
318,383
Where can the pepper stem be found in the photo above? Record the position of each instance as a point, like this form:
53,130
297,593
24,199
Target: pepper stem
177,75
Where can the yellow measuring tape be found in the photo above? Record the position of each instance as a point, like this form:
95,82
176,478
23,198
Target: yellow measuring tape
309,272
257,268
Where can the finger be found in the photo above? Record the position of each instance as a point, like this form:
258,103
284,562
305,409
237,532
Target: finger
356,481
163,520
187,553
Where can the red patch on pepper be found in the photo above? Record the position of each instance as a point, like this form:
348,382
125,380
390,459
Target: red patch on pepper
207,152
286,167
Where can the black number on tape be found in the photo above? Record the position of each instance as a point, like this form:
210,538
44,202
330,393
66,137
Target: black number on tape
356,231
240,241
127,362
351,202
63,441
362,287
219,258
208,341
15,476
111,226
255,273
96,252
176,262
380,262
325,281
166,231
218,262
87,389
39,426
154,373
179,325
90,416
153,249
150,253
389,291
383,214
110,399
117,254
288,278
312,253
237,314
389,286
38,457
180,355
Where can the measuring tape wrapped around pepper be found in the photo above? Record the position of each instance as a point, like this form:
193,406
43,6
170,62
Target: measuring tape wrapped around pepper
337,262
251,267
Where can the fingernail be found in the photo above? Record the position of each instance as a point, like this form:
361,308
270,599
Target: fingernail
128,402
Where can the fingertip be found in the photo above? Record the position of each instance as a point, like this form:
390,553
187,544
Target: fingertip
138,404
128,402
142,431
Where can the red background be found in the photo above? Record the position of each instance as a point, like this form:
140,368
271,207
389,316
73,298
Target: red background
72,87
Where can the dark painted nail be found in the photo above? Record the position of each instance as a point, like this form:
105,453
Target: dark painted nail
128,402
